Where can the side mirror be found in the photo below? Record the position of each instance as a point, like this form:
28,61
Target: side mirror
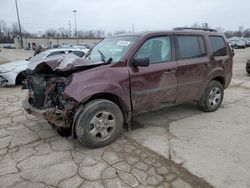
140,62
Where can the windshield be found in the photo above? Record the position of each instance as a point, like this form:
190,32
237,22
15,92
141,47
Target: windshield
111,49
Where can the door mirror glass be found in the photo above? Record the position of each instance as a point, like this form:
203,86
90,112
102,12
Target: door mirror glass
140,62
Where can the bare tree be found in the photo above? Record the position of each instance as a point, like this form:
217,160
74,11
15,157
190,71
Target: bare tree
100,34
14,30
220,29
246,33
50,32
62,32
120,32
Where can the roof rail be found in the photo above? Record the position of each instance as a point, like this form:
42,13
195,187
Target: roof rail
193,28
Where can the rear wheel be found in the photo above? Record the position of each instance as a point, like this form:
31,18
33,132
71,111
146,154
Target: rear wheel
248,67
99,123
212,97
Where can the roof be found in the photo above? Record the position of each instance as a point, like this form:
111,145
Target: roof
176,30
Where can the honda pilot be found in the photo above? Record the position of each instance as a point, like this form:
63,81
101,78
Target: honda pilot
95,97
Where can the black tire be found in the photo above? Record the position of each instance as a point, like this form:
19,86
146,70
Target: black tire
212,97
248,67
92,123
20,77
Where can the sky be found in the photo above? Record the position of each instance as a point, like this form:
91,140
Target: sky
113,15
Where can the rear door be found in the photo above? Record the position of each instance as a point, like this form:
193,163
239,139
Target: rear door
193,66
154,86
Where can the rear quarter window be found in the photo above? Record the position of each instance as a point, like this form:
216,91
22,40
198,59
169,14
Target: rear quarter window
218,45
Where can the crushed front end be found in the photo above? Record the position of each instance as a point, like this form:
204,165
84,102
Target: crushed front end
46,98
47,81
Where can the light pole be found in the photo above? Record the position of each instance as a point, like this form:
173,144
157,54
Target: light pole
20,30
75,23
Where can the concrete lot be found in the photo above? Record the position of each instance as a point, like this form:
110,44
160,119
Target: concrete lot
177,147
213,146
9,55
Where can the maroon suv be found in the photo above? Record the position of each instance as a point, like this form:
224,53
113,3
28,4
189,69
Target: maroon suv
96,97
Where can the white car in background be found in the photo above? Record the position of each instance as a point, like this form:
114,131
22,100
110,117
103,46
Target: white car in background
13,73
83,48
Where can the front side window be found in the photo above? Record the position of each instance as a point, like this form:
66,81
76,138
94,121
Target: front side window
111,49
218,45
157,49
190,47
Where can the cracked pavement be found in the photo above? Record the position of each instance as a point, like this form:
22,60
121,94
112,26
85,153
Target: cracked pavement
176,147
213,146
32,154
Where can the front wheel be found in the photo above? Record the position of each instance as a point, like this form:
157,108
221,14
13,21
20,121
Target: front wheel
212,97
99,123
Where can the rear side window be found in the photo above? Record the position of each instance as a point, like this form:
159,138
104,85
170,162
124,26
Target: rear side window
218,45
56,53
78,53
190,47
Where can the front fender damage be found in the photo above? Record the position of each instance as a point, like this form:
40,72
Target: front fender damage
47,81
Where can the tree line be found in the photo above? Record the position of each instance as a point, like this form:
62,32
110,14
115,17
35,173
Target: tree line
9,32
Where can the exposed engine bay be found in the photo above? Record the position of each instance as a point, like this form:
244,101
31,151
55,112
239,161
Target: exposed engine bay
46,81
46,92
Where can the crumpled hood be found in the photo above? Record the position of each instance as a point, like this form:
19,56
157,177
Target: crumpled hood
66,62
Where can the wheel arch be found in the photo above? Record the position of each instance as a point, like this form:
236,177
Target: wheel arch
111,97
220,79
19,77
108,96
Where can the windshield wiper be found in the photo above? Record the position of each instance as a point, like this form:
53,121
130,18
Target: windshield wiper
102,56
110,60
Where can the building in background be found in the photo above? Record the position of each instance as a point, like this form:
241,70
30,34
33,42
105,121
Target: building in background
31,42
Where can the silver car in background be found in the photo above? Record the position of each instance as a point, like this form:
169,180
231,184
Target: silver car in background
13,73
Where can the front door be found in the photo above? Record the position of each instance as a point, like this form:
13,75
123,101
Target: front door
154,86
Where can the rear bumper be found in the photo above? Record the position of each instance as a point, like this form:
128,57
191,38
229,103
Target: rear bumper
31,110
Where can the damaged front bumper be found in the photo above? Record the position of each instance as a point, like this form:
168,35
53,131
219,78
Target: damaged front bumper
57,117
31,110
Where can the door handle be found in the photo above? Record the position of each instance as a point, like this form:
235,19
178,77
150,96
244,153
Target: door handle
206,65
169,71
